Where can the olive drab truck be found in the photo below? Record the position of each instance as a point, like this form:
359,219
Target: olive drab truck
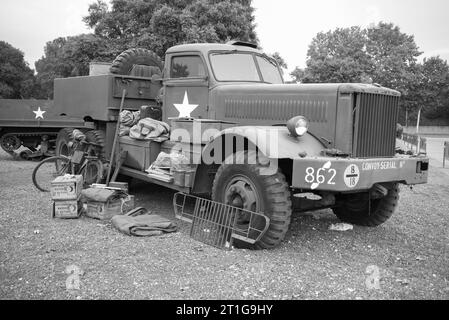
255,142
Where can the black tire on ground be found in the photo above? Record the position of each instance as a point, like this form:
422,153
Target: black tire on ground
357,209
272,194
65,136
48,169
125,62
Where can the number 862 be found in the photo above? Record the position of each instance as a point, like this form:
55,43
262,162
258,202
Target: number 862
319,176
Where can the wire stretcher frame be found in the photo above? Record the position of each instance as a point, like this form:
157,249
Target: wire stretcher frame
215,223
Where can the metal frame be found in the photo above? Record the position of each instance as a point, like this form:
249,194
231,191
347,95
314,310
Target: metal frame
215,223
413,140
445,152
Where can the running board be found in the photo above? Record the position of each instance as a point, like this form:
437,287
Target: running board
141,175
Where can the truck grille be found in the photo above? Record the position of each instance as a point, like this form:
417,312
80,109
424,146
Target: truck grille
376,117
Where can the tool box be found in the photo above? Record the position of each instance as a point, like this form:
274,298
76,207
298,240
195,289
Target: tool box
141,153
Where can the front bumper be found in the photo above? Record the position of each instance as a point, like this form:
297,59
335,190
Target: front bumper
350,175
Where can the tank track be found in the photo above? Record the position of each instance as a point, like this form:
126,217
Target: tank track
21,135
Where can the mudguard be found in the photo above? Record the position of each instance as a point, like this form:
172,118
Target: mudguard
273,142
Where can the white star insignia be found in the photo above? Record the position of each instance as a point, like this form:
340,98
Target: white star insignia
185,109
39,113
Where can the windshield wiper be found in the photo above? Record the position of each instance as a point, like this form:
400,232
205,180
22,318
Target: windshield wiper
270,59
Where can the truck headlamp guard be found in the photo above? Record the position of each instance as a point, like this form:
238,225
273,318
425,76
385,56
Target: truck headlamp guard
298,126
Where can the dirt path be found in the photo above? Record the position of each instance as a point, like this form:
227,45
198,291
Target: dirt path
410,252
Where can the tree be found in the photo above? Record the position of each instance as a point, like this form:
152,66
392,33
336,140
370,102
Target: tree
298,75
68,57
159,25
395,59
152,24
394,55
14,72
381,54
337,56
433,88
281,62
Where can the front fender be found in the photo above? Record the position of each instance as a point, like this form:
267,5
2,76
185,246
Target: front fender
273,142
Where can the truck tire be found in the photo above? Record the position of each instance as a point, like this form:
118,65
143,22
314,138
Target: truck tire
125,62
97,137
269,193
357,209
65,136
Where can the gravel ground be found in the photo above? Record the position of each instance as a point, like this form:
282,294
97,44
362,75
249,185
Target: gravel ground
411,252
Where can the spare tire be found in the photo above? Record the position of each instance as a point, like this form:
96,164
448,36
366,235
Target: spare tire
126,61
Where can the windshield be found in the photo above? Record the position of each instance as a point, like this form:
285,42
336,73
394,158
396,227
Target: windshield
269,70
242,67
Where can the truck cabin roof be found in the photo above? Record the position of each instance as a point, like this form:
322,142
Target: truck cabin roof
205,48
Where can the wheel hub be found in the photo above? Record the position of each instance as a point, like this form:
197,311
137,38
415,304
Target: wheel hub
241,193
10,142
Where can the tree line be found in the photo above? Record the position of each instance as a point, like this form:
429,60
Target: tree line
379,54
384,55
152,24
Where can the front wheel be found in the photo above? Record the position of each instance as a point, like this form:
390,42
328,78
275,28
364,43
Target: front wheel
359,209
244,186
49,169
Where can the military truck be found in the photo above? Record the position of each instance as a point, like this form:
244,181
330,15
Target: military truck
256,143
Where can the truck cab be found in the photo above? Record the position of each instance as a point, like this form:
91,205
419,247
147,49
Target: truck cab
199,69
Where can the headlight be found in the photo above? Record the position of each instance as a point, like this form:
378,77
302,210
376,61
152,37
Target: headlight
298,126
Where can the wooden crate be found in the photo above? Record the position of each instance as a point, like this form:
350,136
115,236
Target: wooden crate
66,187
67,209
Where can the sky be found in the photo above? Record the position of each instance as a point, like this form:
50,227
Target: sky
285,26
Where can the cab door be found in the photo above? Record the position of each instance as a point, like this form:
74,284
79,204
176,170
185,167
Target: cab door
186,87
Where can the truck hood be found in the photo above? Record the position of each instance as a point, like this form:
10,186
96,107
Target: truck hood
270,104
292,89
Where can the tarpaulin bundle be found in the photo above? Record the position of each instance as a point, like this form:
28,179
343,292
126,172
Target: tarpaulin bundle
127,120
102,195
148,129
141,223
176,161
